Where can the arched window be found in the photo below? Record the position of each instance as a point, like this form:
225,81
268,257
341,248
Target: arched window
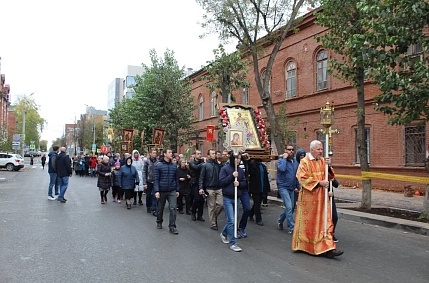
290,80
322,70
213,104
201,108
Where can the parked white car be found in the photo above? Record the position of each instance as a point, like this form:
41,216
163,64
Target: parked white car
11,161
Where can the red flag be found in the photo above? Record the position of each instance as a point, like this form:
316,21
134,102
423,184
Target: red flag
210,133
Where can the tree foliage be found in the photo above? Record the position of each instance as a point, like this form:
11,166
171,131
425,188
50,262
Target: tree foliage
343,18
255,24
392,27
162,99
34,123
226,73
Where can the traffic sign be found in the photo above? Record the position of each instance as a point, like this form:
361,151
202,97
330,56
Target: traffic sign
94,146
16,137
16,143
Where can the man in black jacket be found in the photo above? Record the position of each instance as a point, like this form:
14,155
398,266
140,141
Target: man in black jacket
166,187
148,176
209,182
198,195
64,171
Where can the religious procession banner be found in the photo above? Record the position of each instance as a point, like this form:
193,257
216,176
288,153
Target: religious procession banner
158,136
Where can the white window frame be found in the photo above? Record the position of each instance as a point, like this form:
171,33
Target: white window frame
290,80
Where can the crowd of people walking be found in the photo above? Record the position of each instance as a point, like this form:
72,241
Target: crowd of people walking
188,185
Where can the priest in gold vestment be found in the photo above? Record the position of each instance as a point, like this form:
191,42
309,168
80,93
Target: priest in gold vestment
308,235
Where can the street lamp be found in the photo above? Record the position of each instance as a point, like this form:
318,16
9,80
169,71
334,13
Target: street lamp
326,120
24,112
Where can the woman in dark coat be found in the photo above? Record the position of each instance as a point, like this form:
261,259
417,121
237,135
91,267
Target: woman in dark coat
104,179
128,178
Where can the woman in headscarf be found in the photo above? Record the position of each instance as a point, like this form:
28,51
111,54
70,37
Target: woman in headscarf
138,163
128,178
104,179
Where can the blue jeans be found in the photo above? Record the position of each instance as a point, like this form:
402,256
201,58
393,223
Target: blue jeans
228,230
64,183
288,198
245,203
53,181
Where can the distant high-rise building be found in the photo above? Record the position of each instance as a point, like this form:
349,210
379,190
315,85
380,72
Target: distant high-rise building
114,93
130,80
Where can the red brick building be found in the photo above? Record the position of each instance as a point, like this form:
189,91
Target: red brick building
299,77
4,107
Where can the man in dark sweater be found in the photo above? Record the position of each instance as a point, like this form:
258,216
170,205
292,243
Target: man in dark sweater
64,171
209,182
53,181
166,187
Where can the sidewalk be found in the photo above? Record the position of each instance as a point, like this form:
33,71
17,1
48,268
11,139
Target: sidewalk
378,199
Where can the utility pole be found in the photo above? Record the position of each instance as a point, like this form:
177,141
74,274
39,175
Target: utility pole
24,112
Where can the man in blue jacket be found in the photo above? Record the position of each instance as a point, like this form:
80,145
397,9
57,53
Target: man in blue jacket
229,178
287,184
166,187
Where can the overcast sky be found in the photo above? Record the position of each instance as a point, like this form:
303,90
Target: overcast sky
68,52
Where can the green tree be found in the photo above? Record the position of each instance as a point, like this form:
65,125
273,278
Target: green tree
34,124
43,145
397,44
375,36
162,99
343,18
248,21
163,85
226,73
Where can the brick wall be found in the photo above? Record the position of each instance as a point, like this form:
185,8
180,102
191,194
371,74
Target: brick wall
387,150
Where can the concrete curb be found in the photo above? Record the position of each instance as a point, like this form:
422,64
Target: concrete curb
374,219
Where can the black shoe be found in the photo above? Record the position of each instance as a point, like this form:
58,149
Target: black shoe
149,210
159,225
63,200
174,231
181,212
214,228
333,253
260,223
251,219
194,218
188,213
201,219
134,203
129,206
140,202
335,240
155,214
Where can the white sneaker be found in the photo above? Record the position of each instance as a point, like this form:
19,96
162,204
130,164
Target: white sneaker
235,248
224,239
51,198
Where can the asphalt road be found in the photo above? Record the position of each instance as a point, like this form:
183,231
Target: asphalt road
84,241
